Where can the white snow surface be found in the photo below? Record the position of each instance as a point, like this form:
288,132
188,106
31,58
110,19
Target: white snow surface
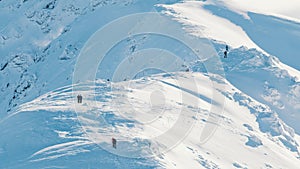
42,126
248,133
283,9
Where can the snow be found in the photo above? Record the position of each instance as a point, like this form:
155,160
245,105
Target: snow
287,10
249,34
165,118
148,130
219,20
214,27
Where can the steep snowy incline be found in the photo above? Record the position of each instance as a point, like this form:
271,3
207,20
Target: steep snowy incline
46,62
259,76
198,20
40,42
253,71
41,126
138,113
263,28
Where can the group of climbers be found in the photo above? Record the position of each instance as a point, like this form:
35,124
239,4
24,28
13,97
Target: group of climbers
114,141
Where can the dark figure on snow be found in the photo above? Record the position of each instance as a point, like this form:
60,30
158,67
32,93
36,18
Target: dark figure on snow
79,98
225,54
226,48
114,142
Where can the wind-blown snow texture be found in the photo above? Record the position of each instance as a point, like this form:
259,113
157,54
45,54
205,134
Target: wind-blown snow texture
39,126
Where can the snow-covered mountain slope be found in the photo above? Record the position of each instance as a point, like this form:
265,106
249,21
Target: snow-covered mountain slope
138,114
260,29
40,41
42,127
269,83
276,84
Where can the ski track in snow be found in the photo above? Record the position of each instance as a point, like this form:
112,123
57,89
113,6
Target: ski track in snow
59,150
